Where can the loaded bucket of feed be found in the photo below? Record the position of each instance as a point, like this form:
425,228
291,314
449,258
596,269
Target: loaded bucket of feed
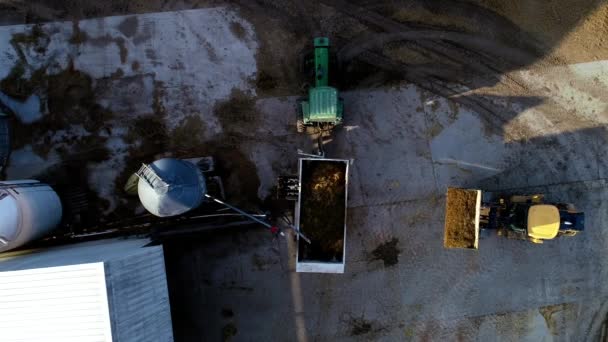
462,213
320,215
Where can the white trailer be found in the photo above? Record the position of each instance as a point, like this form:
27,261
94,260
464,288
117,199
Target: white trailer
320,215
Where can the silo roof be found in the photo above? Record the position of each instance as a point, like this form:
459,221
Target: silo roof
181,188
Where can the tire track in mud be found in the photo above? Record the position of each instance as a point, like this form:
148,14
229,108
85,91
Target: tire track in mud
432,77
475,43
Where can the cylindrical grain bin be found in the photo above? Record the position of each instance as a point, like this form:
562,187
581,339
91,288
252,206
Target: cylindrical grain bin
170,187
28,211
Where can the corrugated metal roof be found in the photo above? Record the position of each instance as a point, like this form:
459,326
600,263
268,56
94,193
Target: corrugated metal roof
5,144
67,303
138,297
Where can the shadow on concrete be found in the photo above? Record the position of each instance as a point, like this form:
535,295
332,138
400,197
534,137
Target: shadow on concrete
556,159
228,282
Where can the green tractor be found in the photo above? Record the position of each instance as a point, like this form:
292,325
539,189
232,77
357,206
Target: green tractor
323,107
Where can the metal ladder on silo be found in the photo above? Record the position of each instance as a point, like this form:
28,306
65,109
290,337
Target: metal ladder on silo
148,175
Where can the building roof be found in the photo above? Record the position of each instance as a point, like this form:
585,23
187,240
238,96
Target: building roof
105,290
543,221
66,303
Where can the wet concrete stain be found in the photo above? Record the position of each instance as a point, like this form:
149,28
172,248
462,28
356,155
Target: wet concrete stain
549,313
359,326
227,313
128,27
263,262
387,252
117,74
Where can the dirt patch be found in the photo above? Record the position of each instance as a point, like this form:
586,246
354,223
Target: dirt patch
278,73
556,315
603,333
388,252
322,210
124,53
238,110
68,97
427,16
187,135
147,137
460,215
36,39
71,100
238,30
15,84
78,37
265,81
575,30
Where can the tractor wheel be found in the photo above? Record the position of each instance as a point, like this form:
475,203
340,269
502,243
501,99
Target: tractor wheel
307,65
300,127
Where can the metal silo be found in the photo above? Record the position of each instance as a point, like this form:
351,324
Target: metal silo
170,187
28,211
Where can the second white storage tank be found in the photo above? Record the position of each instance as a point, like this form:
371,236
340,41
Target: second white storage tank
29,210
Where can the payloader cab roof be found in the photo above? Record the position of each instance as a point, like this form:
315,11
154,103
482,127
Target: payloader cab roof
543,221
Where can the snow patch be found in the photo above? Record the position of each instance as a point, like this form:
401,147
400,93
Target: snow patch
25,163
28,111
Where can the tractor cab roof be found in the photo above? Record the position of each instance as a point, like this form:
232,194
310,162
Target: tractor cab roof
543,221
323,102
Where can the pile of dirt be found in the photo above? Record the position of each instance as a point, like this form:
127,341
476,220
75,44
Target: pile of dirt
322,206
460,218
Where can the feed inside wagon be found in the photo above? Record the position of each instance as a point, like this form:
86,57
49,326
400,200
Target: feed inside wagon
460,218
323,203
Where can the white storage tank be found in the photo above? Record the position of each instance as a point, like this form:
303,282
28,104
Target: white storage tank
170,187
28,211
